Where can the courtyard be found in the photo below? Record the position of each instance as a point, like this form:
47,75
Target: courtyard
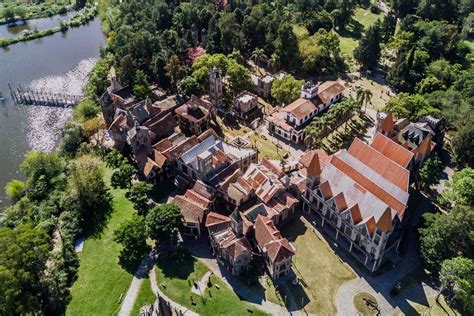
318,268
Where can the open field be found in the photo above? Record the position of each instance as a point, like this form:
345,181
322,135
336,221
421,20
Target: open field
176,274
101,280
321,271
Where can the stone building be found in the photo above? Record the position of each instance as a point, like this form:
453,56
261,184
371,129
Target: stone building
360,196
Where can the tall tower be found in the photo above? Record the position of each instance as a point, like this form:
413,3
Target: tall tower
215,87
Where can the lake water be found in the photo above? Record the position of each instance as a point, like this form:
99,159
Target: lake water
56,63
15,29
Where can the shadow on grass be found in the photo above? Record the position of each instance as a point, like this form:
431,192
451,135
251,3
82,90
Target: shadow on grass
179,265
96,215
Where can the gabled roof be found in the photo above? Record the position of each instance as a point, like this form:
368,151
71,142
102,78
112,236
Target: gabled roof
214,218
383,165
387,123
329,90
191,211
392,150
340,201
326,191
300,108
268,237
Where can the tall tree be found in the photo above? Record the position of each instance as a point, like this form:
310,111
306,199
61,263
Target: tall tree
138,194
174,70
445,236
286,89
132,236
286,46
364,96
368,52
457,275
24,252
163,221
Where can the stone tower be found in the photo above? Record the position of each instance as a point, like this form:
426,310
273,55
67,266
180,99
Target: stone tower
215,87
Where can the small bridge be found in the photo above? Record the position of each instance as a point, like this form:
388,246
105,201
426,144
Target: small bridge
31,97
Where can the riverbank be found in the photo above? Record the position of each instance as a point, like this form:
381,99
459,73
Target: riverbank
22,11
82,17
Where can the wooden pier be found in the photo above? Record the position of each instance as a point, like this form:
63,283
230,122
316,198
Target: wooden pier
30,97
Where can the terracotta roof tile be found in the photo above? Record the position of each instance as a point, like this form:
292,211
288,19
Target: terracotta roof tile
329,90
326,191
191,211
380,163
268,237
340,201
214,218
392,150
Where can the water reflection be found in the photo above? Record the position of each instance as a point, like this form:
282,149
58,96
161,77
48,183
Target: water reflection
15,29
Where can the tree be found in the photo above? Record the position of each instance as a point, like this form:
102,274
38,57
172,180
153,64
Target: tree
368,52
462,141
258,55
430,172
460,190
364,96
86,109
141,87
410,106
15,190
388,27
457,275
286,89
88,191
22,264
273,62
174,70
9,14
286,46
163,221
445,236
114,159
239,76
138,195
189,86
72,137
132,236
122,177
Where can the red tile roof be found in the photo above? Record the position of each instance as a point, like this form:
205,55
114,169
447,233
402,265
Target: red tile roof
214,218
380,163
392,150
268,237
191,211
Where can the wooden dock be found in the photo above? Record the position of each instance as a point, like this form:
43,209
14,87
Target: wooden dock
31,97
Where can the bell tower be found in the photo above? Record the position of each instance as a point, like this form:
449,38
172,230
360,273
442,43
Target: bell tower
215,87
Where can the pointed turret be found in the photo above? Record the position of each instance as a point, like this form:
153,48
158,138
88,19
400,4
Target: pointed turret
313,172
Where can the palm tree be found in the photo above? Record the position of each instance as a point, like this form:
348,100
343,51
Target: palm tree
273,62
258,55
364,96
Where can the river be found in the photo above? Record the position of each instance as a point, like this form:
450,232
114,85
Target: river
58,63
14,29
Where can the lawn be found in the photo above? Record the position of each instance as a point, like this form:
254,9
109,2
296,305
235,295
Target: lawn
435,309
267,148
366,18
321,271
176,274
379,93
101,280
145,296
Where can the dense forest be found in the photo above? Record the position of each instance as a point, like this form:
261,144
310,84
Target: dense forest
423,48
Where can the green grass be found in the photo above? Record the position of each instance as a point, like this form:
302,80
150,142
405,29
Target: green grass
267,148
360,304
434,309
365,17
320,269
175,275
101,280
145,296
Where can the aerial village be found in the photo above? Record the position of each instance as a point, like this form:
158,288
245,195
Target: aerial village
235,199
